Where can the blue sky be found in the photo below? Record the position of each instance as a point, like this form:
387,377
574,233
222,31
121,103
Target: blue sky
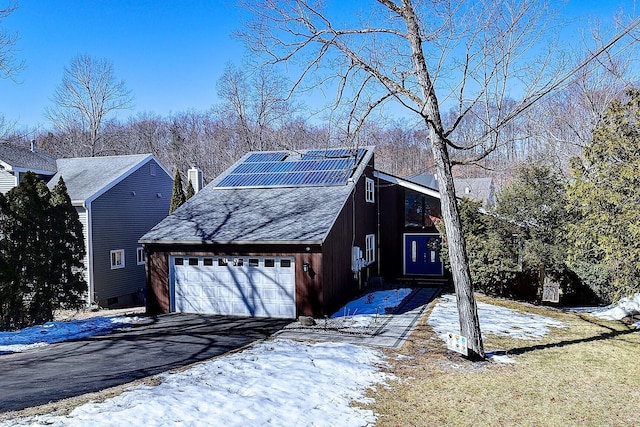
170,53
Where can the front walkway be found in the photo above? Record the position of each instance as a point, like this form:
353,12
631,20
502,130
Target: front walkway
387,330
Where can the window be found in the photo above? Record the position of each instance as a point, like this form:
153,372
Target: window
369,194
420,210
370,249
178,261
254,262
285,263
141,257
117,259
269,262
222,262
152,169
207,262
238,262
193,261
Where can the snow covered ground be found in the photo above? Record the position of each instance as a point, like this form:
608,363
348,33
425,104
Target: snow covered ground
51,332
628,306
493,320
279,381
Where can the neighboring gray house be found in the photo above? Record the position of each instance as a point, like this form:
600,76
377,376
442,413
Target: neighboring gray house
118,199
16,160
479,189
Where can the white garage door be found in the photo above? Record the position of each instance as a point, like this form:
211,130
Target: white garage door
258,286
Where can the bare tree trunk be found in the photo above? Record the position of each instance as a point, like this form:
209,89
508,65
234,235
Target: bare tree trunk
467,308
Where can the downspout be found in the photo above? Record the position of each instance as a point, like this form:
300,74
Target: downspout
379,261
353,230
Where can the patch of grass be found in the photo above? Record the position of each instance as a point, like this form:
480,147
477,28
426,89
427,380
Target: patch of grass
587,374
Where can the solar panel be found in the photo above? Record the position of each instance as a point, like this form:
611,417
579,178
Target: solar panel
267,157
313,167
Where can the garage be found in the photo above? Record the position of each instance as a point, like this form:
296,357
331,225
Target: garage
234,286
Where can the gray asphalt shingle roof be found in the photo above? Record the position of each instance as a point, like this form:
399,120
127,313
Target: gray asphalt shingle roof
481,189
22,157
279,214
85,177
253,215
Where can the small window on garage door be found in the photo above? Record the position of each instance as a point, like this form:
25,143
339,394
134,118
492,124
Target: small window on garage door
178,261
285,263
193,261
254,262
269,262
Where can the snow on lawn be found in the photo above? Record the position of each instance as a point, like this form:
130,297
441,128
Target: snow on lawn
627,306
52,332
373,303
493,320
277,382
361,312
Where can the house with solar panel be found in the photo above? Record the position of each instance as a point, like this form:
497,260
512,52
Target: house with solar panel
279,234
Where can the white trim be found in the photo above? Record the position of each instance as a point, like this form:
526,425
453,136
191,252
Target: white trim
116,266
369,190
407,184
370,150
125,175
10,168
140,260
370,248
118,180
89,240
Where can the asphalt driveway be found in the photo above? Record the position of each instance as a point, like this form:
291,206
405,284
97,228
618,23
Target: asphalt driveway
73,368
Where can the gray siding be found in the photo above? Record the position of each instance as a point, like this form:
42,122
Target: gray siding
7,181
119,218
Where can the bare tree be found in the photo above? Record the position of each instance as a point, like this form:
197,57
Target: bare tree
88,94
469,55
9,66
256,102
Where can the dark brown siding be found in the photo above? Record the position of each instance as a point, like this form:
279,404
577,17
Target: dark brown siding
357,219
309,298
391,205
157,268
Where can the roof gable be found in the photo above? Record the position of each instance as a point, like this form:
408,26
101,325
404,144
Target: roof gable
261,214
16,157
89,177
410,183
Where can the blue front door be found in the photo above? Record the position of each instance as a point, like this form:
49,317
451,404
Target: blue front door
421,254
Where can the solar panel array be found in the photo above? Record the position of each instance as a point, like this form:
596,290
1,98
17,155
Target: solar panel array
283,169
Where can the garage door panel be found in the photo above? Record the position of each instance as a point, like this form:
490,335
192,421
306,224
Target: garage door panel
243,290
190,291
188,305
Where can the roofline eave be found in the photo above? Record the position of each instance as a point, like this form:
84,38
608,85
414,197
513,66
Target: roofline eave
407,184
230,242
